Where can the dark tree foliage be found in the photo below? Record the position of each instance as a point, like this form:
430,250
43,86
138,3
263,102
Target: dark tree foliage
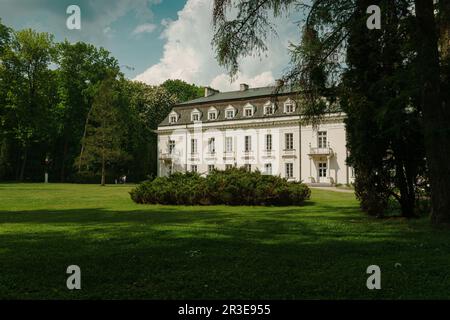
379,81
182,91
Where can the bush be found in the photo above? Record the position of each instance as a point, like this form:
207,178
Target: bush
231,187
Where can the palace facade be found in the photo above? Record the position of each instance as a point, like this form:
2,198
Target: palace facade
256,128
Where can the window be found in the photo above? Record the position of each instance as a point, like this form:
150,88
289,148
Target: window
228,166
194,168
173,119
211,167
289,170
322,169
268,142
268,168
171,146
193,145
269,109
195,117
248,143
289,106
230,112
322,139
289,141
249,110
229,144
212,115
212,145
248,167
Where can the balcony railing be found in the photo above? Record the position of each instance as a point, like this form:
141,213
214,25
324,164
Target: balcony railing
322,151
167,156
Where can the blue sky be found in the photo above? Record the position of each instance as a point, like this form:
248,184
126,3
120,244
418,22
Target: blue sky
153,39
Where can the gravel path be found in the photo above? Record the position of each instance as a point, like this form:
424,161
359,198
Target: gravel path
334,189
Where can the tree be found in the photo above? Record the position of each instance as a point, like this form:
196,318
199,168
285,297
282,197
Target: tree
436,113
182,91
104,132
31,93
334,22
5,39
144,107
81,67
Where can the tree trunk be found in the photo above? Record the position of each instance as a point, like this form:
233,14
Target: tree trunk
103,169
24,163
63,161
407,197
435,117
84,138
444,28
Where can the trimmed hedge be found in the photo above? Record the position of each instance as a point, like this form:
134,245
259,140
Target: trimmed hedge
231,187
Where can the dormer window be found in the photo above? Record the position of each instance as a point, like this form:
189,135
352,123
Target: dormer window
269,108
195,115
289,106
249,110
173,117
230,112
212,113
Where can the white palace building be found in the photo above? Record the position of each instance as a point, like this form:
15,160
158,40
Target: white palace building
254,128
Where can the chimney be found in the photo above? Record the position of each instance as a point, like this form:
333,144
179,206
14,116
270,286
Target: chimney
209,91
244,87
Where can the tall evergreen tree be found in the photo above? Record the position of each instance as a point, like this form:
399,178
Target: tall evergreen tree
104,132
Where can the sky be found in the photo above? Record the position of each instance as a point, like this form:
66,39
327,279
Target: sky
155,40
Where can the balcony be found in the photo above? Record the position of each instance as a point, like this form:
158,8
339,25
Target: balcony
323,151
168,156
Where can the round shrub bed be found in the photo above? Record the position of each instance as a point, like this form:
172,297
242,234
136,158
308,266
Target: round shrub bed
230,187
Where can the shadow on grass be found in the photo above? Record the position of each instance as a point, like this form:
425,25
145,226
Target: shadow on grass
218,253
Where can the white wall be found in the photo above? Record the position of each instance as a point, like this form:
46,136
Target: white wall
303,136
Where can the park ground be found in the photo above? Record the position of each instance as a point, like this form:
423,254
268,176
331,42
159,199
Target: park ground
128,251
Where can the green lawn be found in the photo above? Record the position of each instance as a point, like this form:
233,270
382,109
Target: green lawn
320,250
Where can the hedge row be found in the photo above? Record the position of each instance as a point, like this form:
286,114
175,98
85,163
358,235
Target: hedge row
230,187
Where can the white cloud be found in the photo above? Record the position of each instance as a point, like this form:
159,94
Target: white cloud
188,54
144,28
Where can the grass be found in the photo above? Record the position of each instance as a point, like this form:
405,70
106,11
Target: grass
124,250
